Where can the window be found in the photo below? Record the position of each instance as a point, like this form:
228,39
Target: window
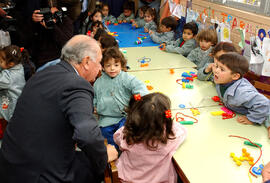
255,6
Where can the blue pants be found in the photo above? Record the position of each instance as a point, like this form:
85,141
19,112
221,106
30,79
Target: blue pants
108,131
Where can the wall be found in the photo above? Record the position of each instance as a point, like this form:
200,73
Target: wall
253,21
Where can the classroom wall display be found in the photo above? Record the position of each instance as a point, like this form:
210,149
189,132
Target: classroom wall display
266,55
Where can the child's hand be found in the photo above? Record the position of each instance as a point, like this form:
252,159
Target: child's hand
112,153
151,32
132,20
146,30
266,172
209,68
244,120
120,21
124,21
95,110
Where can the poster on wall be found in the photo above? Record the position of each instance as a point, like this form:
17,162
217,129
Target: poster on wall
266,55
224,32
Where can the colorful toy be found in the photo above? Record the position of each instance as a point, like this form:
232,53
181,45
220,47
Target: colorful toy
144,61
183,121
171,71
189,86
250,144
149,87
113,33
139,42
182,106
258,170
195,111
245,157
217,113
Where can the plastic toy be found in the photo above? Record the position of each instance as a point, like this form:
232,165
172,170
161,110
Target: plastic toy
195,111
245,157
189,86
258,170
185,80
184,74
216,99
182,106
144,61
186,122
183,121
250,144
149,87
139,42
217,113
171,71
113,33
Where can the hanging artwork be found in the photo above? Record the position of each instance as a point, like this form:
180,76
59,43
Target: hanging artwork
256,56
178,11
189,15
266,55
225,32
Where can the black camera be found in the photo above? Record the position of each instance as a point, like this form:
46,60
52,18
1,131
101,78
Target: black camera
50,19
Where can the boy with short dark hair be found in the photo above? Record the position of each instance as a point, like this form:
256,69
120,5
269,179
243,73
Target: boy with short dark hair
128,14
167,28
237,93
186,43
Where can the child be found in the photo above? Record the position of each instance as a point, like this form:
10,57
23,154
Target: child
12,79
128,14
205,73
108,19
139,21
185,44
94,27
148,141
107,41
150,18
200,56
167,28
112,92
237,93
95,16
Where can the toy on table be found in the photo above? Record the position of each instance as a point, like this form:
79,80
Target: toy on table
187,77
171,71
144,62
148,86
258,170
225,113
183,121
217,99
140,40
246,155
113,33
115,23
250,144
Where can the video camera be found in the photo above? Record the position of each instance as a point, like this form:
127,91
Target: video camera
51,18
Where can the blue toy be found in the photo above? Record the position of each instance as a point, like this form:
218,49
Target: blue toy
257,170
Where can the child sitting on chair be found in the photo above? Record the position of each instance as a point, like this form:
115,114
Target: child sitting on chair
148,141
237,93
106,17
207,38
150,18
206,73
113,91
167,28
12,78
139,21
186,43
128,14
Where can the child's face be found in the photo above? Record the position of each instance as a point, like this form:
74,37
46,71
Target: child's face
141,15
187,34
112,68
97,17
205,45
163,28
127,13
148,17
222,74
3,64
105,11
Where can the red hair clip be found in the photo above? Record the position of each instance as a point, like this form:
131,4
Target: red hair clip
137,97
168,113
22,48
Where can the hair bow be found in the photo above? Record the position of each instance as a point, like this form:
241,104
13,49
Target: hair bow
168,113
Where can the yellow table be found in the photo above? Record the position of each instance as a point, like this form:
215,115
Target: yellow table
205,155
164,82
159,59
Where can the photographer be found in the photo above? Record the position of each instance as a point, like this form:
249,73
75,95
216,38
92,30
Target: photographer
51,32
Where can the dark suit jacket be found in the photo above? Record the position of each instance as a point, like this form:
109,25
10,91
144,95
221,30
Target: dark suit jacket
53,113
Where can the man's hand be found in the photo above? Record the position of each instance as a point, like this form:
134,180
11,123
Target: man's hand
112,153
36,17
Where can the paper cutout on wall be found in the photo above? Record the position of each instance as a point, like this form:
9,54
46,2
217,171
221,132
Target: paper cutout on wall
229,19
266,55
268,33
225,32
256,56
179,11
234,24
242,35
261,34
189,15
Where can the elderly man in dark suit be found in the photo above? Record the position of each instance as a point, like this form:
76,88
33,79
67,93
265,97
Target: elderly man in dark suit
55,112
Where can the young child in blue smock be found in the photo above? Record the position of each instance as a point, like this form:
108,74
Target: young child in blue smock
206,73
207,38
237,93
167,28
139,21
113,91
150,18
106,17
12,79
186,43
127,16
